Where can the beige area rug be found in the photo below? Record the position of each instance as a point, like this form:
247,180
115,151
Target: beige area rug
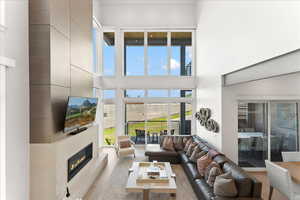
110,185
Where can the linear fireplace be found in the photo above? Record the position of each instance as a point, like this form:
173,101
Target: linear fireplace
79,160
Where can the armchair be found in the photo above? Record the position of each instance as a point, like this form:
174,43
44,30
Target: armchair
122,148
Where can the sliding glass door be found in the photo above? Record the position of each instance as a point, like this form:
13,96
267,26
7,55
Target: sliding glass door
252,134
284,128
265,130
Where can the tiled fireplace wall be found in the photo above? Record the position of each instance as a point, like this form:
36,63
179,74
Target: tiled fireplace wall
60,62
60,50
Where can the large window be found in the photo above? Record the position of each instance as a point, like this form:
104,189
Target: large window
158,53
265,130
108,53
134,54
181,59
109,117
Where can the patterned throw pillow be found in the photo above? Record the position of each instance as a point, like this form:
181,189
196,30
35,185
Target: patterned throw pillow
168,144
178,143
202,163
211,172
225,186
197,153
125,144
191,149
187,144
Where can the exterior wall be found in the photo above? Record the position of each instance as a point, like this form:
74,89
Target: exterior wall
235,34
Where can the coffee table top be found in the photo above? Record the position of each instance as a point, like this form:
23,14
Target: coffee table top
133,186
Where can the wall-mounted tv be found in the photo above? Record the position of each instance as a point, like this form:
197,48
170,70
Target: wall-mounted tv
81,111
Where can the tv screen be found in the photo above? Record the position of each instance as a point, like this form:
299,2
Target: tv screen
81,111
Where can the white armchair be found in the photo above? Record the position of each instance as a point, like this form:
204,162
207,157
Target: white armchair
293,156
128,150
280,179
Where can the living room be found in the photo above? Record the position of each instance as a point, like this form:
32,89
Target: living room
149,99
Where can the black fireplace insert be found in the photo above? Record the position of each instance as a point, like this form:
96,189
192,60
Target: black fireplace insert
79,160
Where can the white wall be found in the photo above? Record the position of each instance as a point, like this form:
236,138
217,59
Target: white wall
235,34
280,88
16,47
143,13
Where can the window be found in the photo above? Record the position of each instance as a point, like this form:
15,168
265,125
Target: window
134,53
157,93
109,123
135,122
146,122
181,93
108,53
109,94
181,59
109,116
157,53
134,93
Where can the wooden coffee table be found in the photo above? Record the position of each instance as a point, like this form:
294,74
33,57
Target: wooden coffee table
147,187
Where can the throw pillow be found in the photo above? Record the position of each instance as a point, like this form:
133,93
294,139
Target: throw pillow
202,163
197,153
178,143
168,144
214,172
184,140
125,144
225,186
187,144
213,153
211,172
191,149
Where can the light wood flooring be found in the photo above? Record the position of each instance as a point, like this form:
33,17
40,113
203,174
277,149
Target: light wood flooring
107,187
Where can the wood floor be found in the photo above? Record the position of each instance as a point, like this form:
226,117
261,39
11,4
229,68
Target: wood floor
262,176
105,185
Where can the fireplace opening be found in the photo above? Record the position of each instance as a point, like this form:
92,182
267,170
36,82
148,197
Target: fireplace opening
79,160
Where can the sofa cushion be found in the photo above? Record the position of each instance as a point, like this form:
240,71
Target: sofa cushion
213,173
225,186
213,153
202,163
178,143
242,179
192,170
124,144
220,159
183,157
156,150
168,144
196,155
191,148
206,191
187,144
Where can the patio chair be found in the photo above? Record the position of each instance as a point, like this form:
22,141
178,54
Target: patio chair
139,134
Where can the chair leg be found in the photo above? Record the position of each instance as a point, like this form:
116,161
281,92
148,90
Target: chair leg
271,192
